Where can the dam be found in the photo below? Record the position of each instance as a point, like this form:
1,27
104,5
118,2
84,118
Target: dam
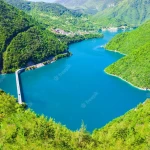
20,101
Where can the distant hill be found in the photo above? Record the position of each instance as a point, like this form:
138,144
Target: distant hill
22,40
125,12
135,67
88,6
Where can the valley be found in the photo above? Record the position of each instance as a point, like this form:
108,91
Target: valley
99,98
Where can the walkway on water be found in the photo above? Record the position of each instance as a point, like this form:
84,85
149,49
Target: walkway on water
18,85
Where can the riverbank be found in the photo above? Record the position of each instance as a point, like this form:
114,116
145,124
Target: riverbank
53,59
143,89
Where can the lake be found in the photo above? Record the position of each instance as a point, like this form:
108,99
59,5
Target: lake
76,89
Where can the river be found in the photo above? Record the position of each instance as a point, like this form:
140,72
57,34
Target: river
76,89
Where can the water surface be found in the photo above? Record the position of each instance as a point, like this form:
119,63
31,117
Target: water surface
76,88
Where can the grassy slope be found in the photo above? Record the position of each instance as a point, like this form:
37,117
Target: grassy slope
135,67
132,13
16,39
23,129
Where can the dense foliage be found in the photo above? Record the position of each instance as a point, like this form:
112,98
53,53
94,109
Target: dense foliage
21,128
22,40
19,22
135,67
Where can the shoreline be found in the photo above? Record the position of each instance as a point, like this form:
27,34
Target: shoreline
127,82
115,51
42,64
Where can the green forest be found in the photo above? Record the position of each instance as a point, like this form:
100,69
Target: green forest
78,38
135,67
21,128
18,32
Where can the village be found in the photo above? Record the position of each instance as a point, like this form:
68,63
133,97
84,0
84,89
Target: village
62,32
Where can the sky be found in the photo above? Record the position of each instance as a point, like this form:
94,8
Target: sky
50,1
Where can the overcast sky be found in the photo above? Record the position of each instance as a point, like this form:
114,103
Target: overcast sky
42,0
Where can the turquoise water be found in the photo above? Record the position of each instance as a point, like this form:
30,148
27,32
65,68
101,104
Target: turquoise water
76,88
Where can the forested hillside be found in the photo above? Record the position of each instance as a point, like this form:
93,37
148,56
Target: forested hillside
124,12
18,32
21,128
135,67
55,16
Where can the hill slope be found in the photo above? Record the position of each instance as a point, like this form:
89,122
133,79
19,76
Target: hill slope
135,67
18,32
132,13
23,129
55,15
